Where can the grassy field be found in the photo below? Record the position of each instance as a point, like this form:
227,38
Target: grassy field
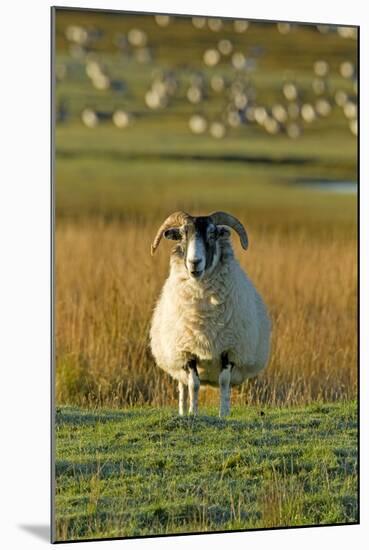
126,465
107,285
146,471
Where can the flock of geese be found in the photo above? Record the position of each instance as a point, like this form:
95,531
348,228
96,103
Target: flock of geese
226,76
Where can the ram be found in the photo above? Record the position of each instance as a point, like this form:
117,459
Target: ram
210,324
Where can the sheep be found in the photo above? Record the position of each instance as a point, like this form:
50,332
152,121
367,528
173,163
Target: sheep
209,323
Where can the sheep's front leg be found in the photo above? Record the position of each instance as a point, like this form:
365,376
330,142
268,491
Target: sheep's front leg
225,385
193,385
182,388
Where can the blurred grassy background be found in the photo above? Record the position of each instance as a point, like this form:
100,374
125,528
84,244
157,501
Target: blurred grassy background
115,184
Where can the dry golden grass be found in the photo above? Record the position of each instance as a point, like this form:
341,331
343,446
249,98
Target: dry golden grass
107,283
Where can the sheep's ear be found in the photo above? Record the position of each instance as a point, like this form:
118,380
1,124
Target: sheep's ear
173,234
223,231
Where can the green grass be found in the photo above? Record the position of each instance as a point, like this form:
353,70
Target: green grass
145,471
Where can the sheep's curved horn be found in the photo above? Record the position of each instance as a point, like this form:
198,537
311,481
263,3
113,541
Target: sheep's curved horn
223,218
174,220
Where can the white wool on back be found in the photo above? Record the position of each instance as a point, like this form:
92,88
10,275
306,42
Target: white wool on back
222,312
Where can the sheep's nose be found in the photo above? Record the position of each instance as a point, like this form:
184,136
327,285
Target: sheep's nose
195,263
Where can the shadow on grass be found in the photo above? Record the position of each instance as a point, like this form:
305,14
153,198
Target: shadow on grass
79,417
168,420
200,421
108,469
156,518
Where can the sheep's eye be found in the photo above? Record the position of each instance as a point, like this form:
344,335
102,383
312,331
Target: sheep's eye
173,234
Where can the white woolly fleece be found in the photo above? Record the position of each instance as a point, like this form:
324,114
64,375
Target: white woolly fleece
223,312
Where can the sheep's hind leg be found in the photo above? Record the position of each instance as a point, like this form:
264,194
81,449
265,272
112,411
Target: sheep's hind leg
182,388
193,385
225,385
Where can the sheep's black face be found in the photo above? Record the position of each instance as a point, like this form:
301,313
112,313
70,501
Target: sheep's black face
199,245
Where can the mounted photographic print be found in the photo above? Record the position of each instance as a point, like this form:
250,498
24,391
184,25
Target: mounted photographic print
205,200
